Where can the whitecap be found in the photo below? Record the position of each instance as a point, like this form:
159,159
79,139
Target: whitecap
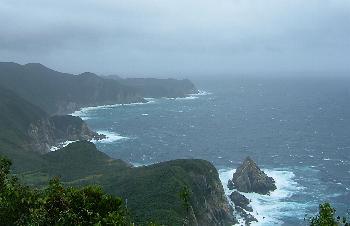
144,114
270,209
61,145
201,93
191,97
84,112
110,137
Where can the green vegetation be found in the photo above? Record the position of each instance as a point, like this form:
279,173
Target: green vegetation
153,193
16,114
326,217
172,193
61,93
56,205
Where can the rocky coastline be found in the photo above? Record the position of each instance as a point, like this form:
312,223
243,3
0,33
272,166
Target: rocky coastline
248,178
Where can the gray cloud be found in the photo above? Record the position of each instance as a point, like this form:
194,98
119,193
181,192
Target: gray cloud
169,38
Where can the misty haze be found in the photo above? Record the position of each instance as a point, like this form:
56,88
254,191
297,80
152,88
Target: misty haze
200,113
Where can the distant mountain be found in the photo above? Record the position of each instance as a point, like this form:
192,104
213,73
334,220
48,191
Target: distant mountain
62,93
156,88
152,193
26,130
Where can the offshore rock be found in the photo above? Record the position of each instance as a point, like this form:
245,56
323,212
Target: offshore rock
250,178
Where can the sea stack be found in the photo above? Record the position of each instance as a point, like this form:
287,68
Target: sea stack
250,178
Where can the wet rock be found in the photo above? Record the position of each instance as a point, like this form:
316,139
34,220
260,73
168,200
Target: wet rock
249,178
240,201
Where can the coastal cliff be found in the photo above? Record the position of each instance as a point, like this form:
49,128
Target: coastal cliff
152,193
52,131
27,130
63,93
157,88
60,93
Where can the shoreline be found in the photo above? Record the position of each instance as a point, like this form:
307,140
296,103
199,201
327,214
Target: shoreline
82,112
270,209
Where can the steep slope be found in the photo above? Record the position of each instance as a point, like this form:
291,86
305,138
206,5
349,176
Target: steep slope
79,160
156,88
152,193
26,130
62,93
16,115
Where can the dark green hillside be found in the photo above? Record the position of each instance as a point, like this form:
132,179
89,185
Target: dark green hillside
61,93
55,204
163,182
16,112
152,192
80,160
16,115
26,131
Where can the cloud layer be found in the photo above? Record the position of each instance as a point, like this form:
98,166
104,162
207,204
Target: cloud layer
169,38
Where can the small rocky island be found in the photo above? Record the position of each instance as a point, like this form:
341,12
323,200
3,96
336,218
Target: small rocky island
249,178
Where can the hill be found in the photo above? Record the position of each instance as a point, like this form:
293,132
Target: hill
152,192
26,130
62,93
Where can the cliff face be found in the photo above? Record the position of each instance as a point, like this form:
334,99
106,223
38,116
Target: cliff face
54,130
26,130
209,205
153,193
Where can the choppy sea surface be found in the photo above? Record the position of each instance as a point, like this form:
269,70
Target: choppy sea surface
296,129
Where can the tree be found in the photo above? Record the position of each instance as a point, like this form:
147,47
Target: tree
326,217
56,204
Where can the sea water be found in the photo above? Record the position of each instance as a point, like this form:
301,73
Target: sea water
297,130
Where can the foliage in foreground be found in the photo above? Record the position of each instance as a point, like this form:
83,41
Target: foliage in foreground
56,205
326,217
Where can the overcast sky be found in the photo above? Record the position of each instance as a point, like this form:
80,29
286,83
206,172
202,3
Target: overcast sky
177,37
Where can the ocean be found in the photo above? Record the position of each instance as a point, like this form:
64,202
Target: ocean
296,129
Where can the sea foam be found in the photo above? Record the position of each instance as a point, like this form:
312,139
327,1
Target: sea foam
61,145
270,209
84,113
110,137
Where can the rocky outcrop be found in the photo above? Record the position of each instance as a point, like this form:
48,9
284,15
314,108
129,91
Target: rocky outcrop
242,207
241,201
249,178
52,131
216,209
153,193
